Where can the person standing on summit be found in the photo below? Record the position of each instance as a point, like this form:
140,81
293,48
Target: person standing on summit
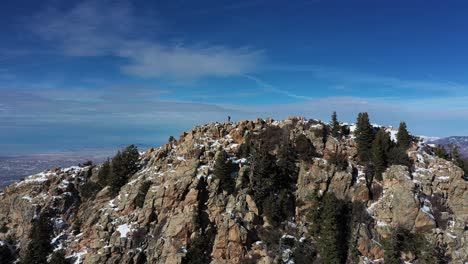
229,119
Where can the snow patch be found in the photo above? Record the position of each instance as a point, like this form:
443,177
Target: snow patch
27,198
123,230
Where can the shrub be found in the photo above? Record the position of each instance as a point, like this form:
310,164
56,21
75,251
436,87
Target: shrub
322,133
304,148
140,197
440,152
89,190
4,228
138,237
272,137
87,163
76,227
339,160
270,236
124,164
438,207
199,251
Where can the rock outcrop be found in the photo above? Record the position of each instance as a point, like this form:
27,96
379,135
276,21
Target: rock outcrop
183,196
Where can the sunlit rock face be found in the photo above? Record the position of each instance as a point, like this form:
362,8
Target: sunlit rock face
182,196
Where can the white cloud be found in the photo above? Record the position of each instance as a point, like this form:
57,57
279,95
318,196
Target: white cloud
90,28
154,60
99,28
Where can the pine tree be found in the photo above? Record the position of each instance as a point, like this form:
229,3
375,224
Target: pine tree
197,252
364,137
222,170
456,156
398,156
403,136
335,126
39,246
380,149
263,173
287,168
58,257
313,216
441,152
332,242
104,173
124,164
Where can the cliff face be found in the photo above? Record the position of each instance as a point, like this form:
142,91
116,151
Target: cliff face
153,219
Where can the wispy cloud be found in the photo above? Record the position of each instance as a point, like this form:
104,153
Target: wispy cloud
108,28
90,28
153,60
351,80
267,87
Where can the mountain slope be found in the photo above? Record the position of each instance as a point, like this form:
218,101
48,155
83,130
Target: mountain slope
173,204
460,141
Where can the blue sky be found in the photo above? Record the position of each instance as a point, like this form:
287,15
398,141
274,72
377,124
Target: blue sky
100,74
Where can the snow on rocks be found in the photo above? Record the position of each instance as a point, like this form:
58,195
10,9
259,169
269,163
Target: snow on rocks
123,229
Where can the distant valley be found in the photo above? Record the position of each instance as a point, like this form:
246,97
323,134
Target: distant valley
13,168
460,141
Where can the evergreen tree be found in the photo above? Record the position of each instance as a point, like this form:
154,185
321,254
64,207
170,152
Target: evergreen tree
197,253
335,126
440,152
39,246
6,255
124,164
403,137
245,150
313,216
104,173
359,219
58,257
263,173
380,149
364,136
402,240
332,240
456,156
222,170
339,160
272,209
397,156
287,168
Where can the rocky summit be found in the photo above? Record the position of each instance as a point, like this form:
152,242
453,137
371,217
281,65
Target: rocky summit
172,210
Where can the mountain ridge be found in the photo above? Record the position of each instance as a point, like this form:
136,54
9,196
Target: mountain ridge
183,201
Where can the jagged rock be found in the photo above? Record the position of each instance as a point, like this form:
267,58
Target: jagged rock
183,198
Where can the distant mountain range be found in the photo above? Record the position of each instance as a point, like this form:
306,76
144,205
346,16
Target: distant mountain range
460,141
